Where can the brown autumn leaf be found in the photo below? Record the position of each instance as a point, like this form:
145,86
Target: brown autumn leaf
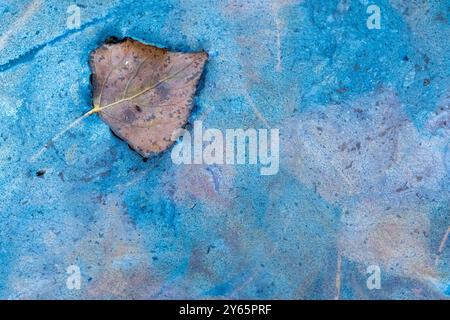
144,93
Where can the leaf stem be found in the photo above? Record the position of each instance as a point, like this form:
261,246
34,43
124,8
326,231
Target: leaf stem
57,136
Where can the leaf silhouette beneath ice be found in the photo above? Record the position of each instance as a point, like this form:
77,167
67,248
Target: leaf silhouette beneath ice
144,93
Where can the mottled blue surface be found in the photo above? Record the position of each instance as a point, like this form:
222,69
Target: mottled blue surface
364,173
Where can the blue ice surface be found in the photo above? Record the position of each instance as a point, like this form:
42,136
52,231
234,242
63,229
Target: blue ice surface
364,172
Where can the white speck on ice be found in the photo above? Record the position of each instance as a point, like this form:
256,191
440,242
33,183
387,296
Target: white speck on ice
9,106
